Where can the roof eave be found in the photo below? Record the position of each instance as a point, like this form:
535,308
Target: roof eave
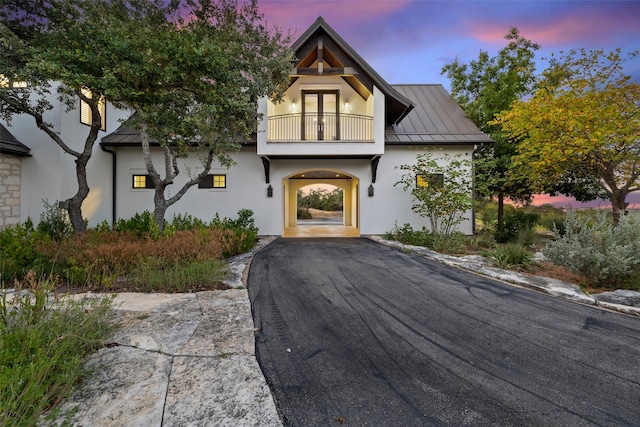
386,88
18,153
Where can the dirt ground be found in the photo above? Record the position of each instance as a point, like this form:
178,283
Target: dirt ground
317,213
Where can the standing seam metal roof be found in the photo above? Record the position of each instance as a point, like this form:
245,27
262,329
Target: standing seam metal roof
436,119
10,145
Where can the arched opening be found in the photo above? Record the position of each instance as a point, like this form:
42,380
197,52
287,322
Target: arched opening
297,185
320,204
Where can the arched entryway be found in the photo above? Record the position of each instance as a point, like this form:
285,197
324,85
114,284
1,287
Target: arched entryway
350,226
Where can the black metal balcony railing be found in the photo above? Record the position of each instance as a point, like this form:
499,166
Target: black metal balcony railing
319,127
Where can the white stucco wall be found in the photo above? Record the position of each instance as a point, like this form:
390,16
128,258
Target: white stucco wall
398,202
50,173
246,188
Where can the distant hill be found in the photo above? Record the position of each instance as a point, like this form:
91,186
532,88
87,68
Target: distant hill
563,202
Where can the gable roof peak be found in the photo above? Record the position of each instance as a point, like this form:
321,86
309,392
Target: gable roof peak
397,105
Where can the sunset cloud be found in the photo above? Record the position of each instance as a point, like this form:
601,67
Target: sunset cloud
408,41
576,27
299,14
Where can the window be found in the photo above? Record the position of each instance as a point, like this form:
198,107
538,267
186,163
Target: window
6,82
142,181
85,111
432,180
213,181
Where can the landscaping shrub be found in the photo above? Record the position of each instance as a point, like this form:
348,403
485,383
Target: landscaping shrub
488,216
453,243
484,239
140,223
54,221
605,254
188,255
43,347
22,248
241,233
439,188
516,222
519,219
407,235
304,213
550,217
153,276
512,256
187,222
97,260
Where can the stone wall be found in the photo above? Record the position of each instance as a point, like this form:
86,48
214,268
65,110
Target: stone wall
9,190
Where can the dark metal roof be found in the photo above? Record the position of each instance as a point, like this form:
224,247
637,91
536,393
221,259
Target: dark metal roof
10,145
436,119
397,105
126,136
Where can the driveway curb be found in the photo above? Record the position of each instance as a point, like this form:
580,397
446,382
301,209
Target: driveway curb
478,265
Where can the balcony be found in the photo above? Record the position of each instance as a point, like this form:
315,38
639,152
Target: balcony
320,127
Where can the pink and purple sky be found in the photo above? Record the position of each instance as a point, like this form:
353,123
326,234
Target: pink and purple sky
409,41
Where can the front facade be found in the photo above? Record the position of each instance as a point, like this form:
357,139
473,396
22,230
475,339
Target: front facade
339,124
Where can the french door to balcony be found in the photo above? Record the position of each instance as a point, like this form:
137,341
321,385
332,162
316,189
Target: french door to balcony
320,115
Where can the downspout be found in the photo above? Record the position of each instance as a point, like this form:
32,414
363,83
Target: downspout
473,186
113,183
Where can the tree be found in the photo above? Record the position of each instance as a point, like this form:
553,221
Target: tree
321,199
193,82
585,116
57,48
201,99
441,193
484,88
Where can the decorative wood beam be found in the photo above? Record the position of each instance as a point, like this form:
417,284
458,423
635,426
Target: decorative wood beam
266,164
332,71
374,168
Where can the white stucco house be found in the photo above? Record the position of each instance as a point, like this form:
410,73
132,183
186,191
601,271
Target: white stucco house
340,124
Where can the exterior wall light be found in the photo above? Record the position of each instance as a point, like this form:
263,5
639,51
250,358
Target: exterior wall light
269,191
370,190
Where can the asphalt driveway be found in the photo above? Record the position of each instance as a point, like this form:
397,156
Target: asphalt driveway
353,332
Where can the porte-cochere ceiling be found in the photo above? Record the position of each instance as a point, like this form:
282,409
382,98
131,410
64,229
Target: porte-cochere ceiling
320,175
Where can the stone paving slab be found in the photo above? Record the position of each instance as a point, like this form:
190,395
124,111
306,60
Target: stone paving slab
222,391
117,394
178,360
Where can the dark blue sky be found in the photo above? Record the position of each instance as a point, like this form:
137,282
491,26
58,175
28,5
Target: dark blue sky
409,41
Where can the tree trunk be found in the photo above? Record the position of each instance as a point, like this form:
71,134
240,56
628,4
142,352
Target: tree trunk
500,211
74,204
619,205
159,210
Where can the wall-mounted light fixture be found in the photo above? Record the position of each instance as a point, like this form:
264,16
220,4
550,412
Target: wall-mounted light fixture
269,191
294,106
370,190
346,104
